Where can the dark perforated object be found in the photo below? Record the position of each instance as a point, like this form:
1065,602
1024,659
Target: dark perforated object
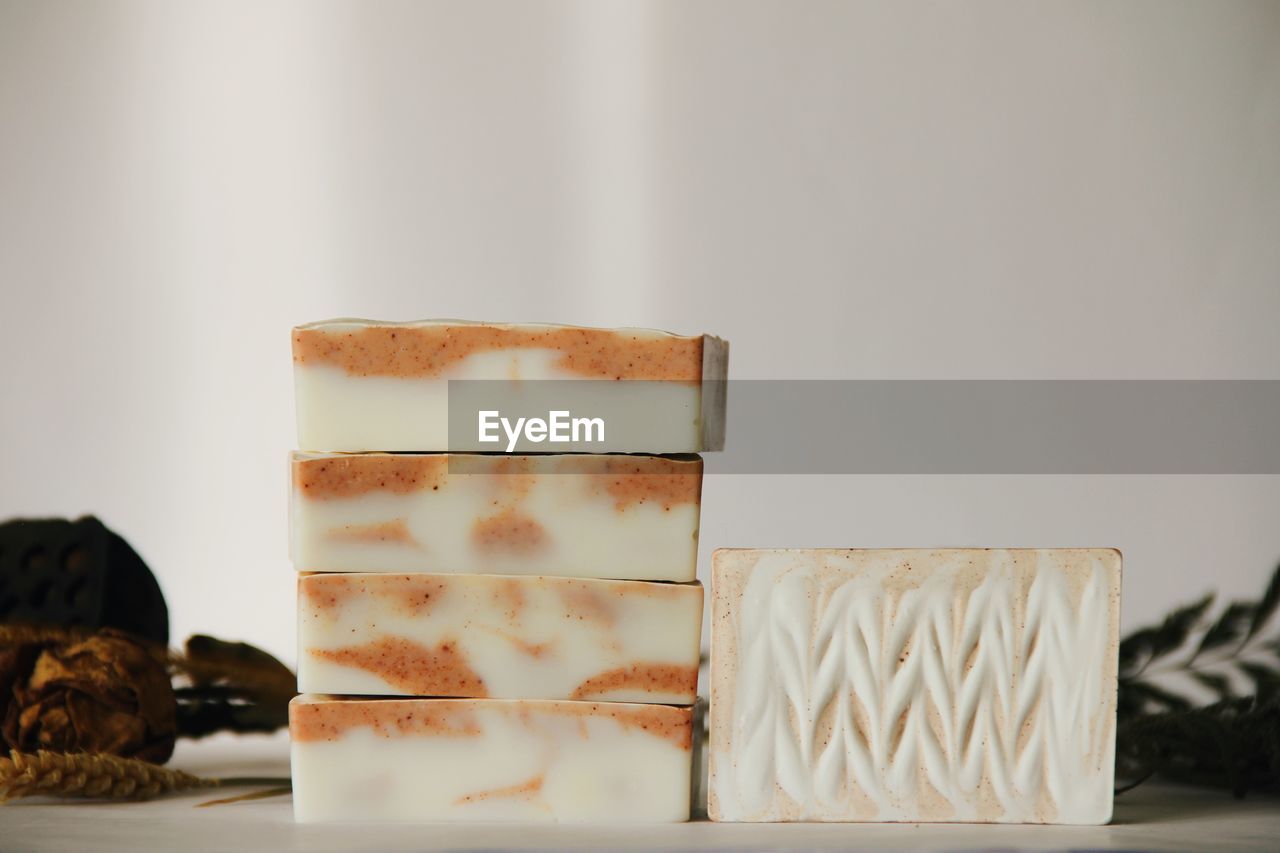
59,572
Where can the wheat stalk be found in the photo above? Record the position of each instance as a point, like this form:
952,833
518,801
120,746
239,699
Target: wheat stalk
59,774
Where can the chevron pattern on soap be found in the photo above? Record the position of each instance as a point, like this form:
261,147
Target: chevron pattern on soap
962,685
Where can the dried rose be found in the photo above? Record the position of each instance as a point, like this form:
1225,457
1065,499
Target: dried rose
104,693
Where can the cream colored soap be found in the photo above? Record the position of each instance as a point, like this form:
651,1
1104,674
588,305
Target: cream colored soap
500,637
488,760
913,685
362,385
628,516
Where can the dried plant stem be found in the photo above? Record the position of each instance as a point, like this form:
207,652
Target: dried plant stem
57,774
252,795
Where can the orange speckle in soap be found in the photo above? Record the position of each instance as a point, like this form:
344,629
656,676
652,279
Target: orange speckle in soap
513,477
327,592
645,677
412,667
358,474
651,480
395,531
327,721
669,722
533,650
509,531
412,593
588,602
508,593
425,351
529,788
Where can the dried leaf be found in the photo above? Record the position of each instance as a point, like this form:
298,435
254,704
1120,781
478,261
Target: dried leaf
1233,743
234,687
1217,682
1266,681
1231,626
1138,696
1147,644
209,660
202,715
1266,607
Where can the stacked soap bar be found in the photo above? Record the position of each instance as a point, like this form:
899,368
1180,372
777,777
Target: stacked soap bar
489,760
584,516
505,636
363,385
914,685
495,636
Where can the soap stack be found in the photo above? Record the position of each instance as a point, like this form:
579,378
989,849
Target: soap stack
497,635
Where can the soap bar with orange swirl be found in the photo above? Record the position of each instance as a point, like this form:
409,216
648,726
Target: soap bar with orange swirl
624,516
489,760
363,385
499,636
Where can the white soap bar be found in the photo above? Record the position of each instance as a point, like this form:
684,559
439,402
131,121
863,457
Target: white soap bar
489,760
362,385
630,517
499,637
914,685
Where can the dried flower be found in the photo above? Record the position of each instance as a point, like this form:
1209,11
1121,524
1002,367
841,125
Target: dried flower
104,693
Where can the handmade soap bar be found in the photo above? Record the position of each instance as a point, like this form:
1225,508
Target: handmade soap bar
364,385
633,517
500,637
914,685
489,760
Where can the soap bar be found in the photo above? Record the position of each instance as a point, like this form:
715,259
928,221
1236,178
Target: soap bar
631,517
489,760
500,637
913,685
362,385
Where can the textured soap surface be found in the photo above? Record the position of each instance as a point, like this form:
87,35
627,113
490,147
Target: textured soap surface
626,516
362,385
500,637
488,760
913,685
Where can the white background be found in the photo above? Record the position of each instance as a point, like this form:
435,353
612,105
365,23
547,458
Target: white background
979,190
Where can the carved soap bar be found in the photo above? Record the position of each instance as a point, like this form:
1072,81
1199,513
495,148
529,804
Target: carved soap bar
489,760
913,685
363,385
499,637
630,517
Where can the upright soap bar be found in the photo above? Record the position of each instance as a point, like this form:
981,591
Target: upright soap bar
630,517
364,385
914,685
489,760
499,637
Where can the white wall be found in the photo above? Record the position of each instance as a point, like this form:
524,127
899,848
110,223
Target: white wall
981,190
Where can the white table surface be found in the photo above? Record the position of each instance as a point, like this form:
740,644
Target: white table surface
1153,817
